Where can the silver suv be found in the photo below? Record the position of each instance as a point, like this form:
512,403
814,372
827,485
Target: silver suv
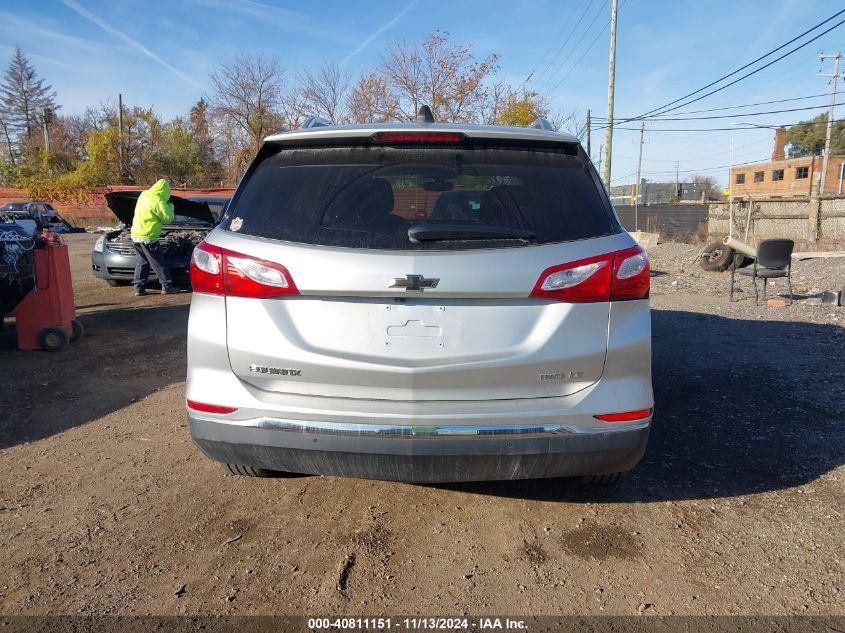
421,302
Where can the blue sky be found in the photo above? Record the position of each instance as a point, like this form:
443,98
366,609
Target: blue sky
161,53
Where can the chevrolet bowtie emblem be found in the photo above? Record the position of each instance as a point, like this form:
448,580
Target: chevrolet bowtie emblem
414,282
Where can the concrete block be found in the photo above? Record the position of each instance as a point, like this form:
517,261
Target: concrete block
647,240
832,298
776,303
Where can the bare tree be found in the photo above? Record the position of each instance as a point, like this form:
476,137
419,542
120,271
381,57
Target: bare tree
495,103
294,108
324,91
440,73
570,121
371,101
247,94
228,146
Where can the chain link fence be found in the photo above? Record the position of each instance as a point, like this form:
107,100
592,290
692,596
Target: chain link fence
756,220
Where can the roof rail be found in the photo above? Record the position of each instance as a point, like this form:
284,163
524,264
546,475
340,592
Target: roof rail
316,121
541,123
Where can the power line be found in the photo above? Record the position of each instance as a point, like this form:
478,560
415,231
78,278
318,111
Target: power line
714,168
655,173
589,48
623,177
580,39
744,105
690,159
733,116
748,65
754,72
709,129
550,48
566,40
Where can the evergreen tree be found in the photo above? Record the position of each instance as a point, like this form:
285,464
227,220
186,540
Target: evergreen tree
25,100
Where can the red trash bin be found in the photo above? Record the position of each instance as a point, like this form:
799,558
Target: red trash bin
46,318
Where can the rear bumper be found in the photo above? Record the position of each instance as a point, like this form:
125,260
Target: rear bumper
421,453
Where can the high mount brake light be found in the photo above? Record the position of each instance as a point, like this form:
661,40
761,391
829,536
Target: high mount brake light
618,276
209,408
420,138
219,271
625,416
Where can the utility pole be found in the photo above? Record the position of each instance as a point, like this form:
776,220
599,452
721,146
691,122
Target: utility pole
731,189
589,153
120,135
44,122
677,180
814,210
834,76
601,149
639,172
611,80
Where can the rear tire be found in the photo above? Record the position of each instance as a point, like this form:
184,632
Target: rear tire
250,471
114,283
610,479
716,257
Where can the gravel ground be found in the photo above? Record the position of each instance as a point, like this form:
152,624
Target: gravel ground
676,270
106,507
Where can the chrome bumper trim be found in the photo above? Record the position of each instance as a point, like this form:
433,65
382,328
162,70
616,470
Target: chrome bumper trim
426,432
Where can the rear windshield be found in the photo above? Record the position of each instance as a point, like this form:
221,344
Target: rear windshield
422,198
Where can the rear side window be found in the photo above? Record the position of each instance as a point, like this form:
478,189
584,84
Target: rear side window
371,197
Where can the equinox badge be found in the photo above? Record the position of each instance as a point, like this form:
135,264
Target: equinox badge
414,282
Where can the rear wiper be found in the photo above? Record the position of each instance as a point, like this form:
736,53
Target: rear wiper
437,232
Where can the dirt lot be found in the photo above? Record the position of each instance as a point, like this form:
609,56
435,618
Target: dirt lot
106,507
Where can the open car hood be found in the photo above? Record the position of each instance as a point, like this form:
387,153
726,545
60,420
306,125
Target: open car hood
122,204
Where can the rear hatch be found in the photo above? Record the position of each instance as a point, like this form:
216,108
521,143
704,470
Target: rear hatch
410,270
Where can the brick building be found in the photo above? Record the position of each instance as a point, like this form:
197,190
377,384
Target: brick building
784,177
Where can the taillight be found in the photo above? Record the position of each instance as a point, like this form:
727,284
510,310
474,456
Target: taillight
582,281
624,416
631,275
617,276
209,408
207,269
219,271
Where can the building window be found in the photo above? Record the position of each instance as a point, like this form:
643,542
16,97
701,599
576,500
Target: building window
740,179
777,174
759,176
802,172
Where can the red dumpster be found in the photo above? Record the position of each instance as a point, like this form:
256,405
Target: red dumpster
46,317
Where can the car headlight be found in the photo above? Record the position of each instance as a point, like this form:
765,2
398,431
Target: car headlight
100,244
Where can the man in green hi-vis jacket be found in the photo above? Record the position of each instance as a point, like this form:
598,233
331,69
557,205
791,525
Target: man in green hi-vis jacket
151,211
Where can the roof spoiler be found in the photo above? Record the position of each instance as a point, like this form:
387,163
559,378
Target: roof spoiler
541,123
316,121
